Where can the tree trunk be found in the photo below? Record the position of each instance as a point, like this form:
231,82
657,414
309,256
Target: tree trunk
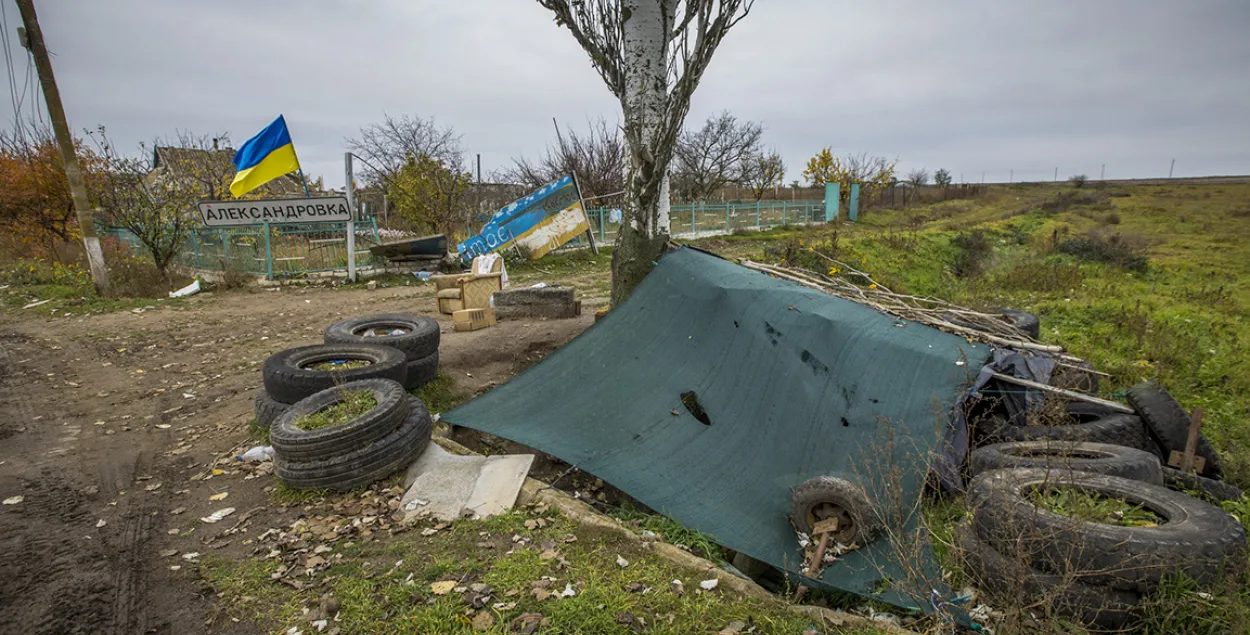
645,224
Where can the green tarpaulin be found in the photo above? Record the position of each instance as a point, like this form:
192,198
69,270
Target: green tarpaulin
795,384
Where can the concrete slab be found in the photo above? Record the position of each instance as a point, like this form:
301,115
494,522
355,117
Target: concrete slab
442,485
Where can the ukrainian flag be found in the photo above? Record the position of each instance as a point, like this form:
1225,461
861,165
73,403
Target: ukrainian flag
264,158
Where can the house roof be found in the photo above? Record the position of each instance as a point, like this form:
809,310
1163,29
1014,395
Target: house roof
217,162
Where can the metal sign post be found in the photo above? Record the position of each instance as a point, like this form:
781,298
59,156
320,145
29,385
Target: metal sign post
351,220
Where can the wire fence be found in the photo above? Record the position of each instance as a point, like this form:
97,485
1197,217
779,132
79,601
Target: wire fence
270,250
710,219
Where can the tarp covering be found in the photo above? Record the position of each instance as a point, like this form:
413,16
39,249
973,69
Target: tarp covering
795,384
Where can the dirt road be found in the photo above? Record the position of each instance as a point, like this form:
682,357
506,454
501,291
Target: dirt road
116,429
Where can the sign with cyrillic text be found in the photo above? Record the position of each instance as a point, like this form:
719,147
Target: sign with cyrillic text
322,209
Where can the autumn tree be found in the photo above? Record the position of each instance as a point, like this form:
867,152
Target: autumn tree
597,157
764,171
942,177
714,156
872,173
651,54
153,195
419,165
36,206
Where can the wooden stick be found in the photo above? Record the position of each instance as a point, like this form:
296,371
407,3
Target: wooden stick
1191,442
1071,394
811,566
1082,369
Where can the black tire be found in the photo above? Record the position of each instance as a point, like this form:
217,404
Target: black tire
419,338
1196,538
422,371
823,497
1023,320
267,409
1007,579
1183,481
1115,429
293,444
1078,379
1168,424
366,464
288,380
1070,456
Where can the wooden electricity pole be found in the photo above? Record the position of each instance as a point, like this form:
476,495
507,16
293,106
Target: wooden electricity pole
65,141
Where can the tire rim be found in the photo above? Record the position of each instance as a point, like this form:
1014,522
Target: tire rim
382,330
1058,453
822,511
334,359
1043,490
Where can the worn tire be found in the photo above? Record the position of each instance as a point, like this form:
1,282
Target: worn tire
287,380
1008,579
808,498
1183,481
1078,379
267,409
1168,424
420,337
422,371
1023,320
365,464
1070,456
1196,538
293,444
1115,429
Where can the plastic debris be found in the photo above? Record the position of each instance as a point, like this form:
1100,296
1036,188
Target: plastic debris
190,289
218,515
708,585
13,500
258,454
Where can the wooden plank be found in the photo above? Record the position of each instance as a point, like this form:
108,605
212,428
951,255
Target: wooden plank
829,525
1070,394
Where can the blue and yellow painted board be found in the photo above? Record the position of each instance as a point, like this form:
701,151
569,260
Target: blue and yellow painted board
540,222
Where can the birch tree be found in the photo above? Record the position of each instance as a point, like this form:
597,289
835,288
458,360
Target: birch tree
651,54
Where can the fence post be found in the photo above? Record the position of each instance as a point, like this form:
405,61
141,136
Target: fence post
727,208
602,236
692,207
268,253
376,237
225,248
195,246
852,208
757,215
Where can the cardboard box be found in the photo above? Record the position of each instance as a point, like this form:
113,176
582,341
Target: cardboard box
473,319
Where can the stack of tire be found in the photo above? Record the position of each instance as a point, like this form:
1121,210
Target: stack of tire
355,452
387,354
1093,572
397,346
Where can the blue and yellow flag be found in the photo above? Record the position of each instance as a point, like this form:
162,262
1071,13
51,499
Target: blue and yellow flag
264,158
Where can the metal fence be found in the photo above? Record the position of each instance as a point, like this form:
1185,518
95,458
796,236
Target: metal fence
270,250
709,219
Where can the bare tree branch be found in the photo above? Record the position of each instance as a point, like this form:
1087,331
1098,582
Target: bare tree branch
596,157
714,156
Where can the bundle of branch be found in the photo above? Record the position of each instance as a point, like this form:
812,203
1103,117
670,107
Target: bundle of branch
973,325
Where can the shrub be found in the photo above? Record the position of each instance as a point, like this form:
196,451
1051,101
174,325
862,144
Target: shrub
972,249
1125,250
1112,218
1077,180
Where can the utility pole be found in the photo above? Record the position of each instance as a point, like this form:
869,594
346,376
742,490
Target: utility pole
1056,175
65,142
1172,167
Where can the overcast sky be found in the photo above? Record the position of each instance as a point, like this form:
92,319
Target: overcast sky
975,87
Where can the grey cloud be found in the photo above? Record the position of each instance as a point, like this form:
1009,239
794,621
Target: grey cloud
970,86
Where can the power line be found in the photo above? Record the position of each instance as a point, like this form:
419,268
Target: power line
8,60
